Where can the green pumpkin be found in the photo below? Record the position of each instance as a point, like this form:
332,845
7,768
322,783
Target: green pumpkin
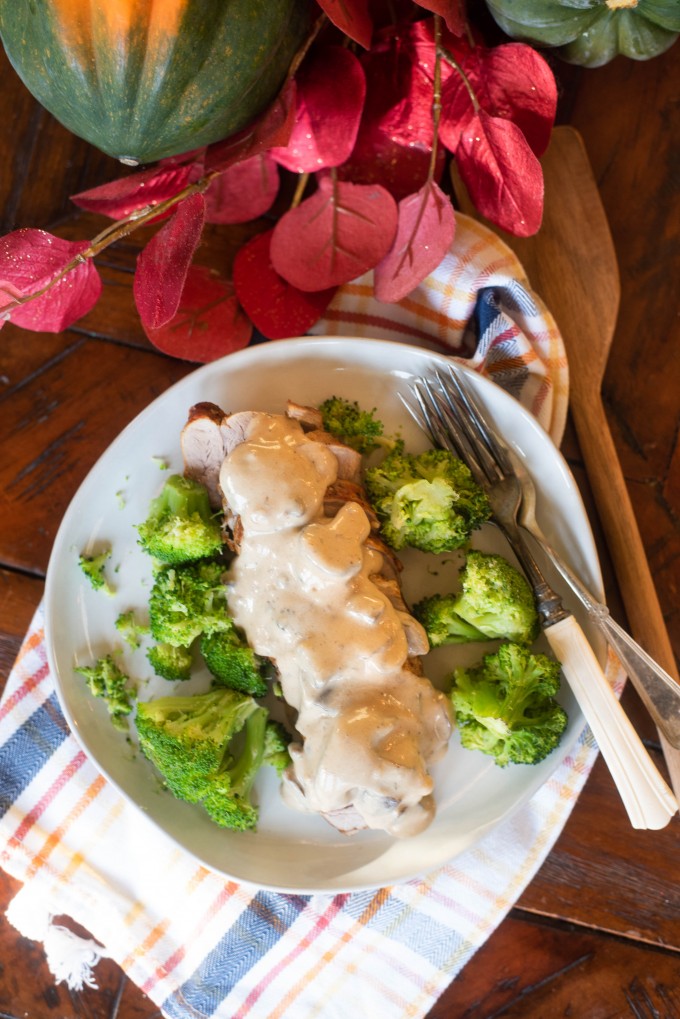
144,79
592,32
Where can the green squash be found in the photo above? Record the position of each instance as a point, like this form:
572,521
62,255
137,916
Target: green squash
144,79
592,32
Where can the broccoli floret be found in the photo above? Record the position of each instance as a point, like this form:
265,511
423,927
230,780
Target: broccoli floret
93,568
228,796
130,629
442,623
186,601
505,706
234,663
428,501
276,743
181,526
108,682
495,601
357,428
195,744
170,662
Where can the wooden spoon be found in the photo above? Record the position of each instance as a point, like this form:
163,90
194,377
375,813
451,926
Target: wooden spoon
571,263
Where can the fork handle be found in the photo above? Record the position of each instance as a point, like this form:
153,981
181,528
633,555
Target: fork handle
659,692
648,800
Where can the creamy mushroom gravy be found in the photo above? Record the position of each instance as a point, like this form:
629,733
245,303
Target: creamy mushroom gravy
301,589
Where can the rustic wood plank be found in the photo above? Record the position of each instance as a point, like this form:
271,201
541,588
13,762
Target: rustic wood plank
57,425
533,970
602,874
19,598
44,164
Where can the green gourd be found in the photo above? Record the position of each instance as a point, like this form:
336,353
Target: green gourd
145,79
592,32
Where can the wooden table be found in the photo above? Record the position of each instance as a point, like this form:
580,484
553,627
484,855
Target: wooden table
597,933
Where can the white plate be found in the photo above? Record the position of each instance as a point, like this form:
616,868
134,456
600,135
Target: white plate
290,851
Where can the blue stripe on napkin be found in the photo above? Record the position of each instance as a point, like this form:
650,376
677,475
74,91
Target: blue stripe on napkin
266,919
28,749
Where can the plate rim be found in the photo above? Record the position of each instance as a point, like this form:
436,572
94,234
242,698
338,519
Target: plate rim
220,368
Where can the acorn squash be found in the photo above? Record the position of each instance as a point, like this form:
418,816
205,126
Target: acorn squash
144,79
592,32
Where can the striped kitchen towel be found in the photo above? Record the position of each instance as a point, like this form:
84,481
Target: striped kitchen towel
200,945
477,305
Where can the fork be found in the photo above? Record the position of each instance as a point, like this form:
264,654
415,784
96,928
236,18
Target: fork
445,412
658,690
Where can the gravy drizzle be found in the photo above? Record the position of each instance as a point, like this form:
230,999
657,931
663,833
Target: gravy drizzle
301,589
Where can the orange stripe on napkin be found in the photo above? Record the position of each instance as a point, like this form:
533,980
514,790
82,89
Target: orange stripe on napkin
90,794
381,896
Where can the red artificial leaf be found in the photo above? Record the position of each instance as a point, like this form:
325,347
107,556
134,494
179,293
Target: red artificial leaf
400,169
519,85
163,264
29,259
327,118
276,308
424,234
335,235
452,11
503,176
351,17
511,81
243,191
148,187
274,127
420,46
408,119
395,136
8,294
209,322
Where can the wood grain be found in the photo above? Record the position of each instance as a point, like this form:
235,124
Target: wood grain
596,933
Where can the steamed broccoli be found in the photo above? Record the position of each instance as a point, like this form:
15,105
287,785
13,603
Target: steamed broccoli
108,682
443,625
276,743
348,422
228,796
170,662
208,747
495,601
130,629
233,663
93,568
186,601
181,526
505,706
428,501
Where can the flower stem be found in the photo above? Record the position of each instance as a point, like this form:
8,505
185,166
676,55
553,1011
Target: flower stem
452,62
114,232
436,96
299,190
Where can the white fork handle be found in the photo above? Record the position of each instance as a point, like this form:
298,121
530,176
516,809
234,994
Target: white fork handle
646,797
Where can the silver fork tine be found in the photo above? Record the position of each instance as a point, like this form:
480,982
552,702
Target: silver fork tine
450,425
445,427
429,415
484,437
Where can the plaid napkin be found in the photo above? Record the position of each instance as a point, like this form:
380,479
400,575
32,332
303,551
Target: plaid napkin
200,945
